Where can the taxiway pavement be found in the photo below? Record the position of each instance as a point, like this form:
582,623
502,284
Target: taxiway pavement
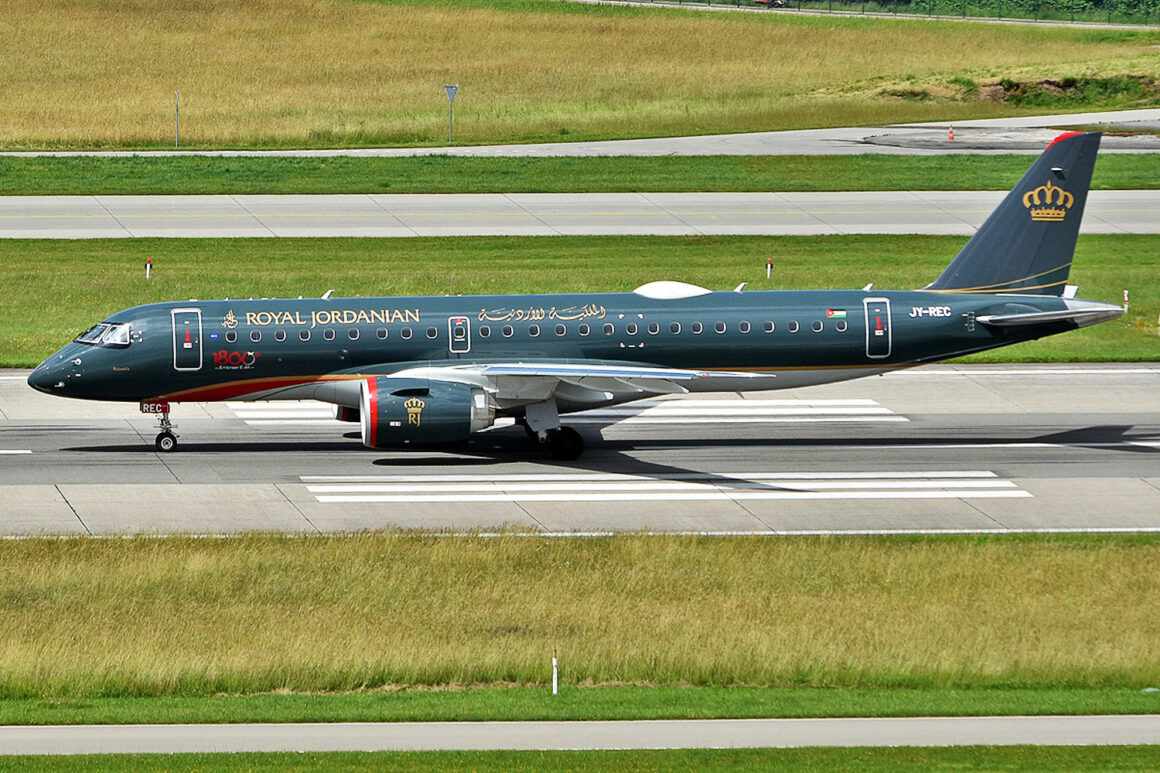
1022,134
937,449
656,734
539,214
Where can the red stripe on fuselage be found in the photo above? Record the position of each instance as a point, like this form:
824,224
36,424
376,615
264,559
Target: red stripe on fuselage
208,394
373,410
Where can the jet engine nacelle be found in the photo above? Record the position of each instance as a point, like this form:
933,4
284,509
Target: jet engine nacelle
419,411
342,413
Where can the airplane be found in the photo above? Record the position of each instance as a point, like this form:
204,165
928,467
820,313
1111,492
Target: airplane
424,371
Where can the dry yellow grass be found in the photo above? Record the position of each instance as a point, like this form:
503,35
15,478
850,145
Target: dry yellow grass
187,616
326,72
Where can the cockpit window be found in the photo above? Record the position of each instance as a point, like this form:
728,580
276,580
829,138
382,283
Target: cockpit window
106,334
116,335
93,334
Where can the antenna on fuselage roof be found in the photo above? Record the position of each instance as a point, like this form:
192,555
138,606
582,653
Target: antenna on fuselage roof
740,288
868,287
326,295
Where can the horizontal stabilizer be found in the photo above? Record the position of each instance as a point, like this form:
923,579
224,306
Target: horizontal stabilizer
1083,313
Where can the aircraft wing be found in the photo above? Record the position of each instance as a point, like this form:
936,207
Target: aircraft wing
580,382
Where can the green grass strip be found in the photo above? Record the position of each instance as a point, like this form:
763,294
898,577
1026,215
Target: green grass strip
55,288
379,626
573,703
864,760
443,174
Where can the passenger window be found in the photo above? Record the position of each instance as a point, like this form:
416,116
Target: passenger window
381,333
609,328
255,335
328,335
561,330
698,328
631,328
279,335
793,326
817,326
719,328
231,336
303,335
769,327
352,334
405,333
432,332
675,328
842,326
653,328
507,331
744,326
533,330
484,331
584,330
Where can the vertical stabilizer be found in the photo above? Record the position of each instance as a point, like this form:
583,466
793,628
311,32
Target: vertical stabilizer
1027,244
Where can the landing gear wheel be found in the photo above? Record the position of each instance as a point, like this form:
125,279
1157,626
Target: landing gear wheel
166,441
565,443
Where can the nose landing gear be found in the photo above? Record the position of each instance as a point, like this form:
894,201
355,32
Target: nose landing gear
166,439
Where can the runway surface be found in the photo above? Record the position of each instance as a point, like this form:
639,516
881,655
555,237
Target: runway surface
539,214
939,449
1026,134
656,734
721,5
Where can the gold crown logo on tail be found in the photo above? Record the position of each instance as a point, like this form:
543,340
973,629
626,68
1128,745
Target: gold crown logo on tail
1048,202
414,408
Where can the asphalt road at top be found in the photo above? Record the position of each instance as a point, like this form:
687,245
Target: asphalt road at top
539,214
938,449
1024,134
722,5
656,734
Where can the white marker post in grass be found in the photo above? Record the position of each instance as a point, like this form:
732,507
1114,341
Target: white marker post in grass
1125,301
555,674
148,267
177,119
769,267
452,89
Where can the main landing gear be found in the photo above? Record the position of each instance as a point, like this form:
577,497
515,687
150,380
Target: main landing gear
563,443
166,440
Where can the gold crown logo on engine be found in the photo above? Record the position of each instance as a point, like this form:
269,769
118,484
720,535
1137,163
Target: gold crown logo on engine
414,408
1048,202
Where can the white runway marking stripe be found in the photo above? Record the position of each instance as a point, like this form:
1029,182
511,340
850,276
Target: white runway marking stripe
1027,372
14,451
680,410
671,497
616,476
690,487
368,488
298,423
584,419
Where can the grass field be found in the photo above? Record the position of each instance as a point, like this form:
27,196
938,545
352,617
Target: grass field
57,288
1012,758
266,73
442,174
476,703
189,617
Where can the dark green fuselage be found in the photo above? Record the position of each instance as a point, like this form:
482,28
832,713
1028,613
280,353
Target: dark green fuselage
246,348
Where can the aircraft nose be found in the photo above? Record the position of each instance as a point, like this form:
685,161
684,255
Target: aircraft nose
44,378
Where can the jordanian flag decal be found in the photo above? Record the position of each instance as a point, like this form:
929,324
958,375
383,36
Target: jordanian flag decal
835,313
